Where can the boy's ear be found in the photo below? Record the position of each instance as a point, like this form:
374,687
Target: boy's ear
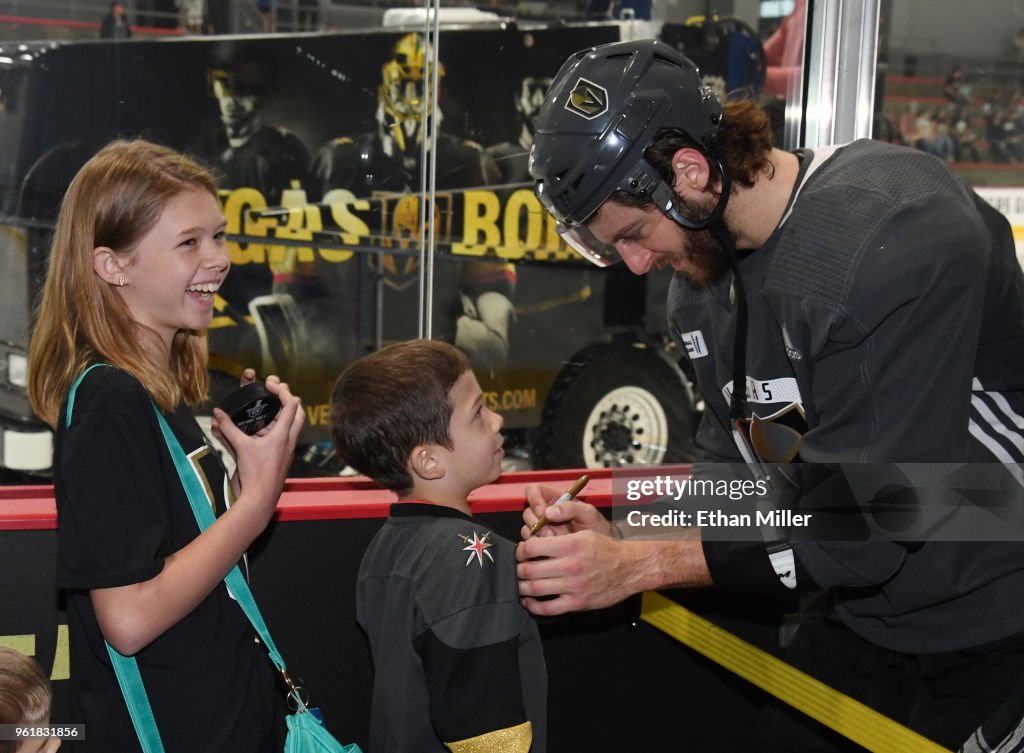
425,462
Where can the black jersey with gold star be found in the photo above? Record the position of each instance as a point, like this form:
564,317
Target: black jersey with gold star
458,663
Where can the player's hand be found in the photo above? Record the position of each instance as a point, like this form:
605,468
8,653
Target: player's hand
567,517
583,570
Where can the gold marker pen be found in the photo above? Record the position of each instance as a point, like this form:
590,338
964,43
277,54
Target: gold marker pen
575,489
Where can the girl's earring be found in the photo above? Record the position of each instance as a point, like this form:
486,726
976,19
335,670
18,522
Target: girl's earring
121,281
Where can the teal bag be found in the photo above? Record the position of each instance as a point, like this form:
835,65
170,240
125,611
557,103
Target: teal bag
306,733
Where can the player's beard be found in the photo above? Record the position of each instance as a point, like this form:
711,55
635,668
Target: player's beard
706,260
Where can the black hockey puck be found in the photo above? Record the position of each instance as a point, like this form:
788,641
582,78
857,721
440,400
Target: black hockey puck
251,407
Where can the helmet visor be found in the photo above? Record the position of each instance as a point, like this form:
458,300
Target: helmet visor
642,181
587,245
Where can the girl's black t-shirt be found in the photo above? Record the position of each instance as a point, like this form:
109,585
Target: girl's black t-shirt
121,511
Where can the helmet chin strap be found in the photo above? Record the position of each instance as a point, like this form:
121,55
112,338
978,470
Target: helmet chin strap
738,401
664,197
714,223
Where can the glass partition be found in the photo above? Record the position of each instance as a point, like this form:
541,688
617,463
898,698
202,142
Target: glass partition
952,84
375,184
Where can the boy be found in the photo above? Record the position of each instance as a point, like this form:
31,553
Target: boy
24,699
458,661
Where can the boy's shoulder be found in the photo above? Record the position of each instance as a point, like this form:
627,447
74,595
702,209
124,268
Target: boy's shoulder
440,565
424,541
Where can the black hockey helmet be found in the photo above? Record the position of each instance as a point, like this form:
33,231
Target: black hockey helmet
602,112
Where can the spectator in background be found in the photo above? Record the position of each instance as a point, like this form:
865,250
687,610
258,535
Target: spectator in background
957,92
115,24
928,132
911,133
999,128
268,9
939,141
964,139
783,53
1014,126
192,13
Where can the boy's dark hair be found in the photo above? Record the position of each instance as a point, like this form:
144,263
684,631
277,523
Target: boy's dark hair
387,403
24,693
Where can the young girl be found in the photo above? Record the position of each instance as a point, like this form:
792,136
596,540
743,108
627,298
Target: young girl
138,254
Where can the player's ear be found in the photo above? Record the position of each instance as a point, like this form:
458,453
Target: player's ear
426,462
691,170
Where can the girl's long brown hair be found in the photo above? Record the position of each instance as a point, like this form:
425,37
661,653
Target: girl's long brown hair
114,200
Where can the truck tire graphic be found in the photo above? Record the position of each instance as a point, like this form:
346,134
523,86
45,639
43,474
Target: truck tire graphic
616,405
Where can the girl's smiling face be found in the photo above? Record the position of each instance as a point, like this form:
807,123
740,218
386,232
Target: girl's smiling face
177,267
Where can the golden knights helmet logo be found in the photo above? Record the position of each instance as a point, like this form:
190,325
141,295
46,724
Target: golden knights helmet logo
587,99
404,89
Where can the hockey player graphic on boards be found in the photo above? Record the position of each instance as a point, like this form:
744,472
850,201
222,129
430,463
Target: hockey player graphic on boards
510,157
249,152
386,162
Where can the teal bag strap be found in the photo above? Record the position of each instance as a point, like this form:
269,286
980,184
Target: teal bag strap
126,669
306,733
74,389
130,679
197,499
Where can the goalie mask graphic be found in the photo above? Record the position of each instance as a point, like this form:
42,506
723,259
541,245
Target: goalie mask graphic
404,90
